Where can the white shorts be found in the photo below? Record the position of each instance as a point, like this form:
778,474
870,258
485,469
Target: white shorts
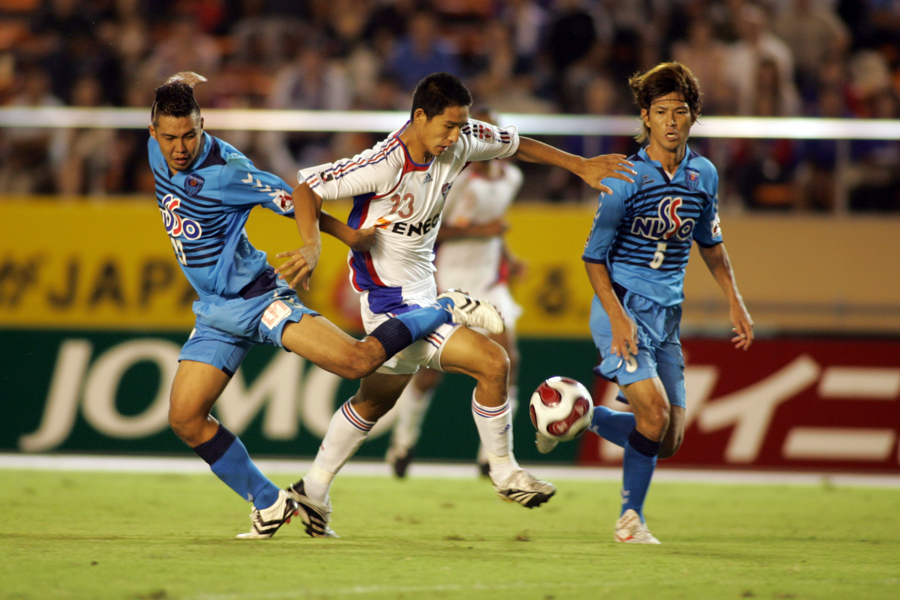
423,353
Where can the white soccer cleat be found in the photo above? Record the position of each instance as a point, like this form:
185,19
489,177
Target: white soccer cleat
631,530
267,521
523,488
315,515
544,444
472,312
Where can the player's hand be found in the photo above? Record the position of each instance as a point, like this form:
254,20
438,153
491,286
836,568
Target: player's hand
299,266
596,169
743,326
624,332
363,240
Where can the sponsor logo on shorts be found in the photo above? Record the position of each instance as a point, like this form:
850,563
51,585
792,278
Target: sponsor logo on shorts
277,312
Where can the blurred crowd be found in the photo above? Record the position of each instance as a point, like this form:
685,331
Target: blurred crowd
821,58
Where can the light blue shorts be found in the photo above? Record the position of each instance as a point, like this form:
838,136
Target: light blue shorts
659,345
226,329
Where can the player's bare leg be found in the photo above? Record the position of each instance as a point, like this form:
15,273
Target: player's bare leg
324,344
473,354
671,442
195,389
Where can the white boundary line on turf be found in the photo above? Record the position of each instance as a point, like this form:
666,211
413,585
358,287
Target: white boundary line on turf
189,464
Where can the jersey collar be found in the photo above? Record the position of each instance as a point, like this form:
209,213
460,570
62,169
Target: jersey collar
681,166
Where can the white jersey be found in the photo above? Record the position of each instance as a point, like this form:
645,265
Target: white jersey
404,201
474,264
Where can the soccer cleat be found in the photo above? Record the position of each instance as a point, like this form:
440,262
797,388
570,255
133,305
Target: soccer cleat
484,469
399,461
544,444
267,521
472,312
523,488
631,530
315,515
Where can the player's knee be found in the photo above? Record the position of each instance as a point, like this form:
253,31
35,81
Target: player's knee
185,423
670,446
361,361
495,364
654,417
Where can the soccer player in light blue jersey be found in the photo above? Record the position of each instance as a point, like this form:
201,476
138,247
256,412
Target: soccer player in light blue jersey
635,258
205,189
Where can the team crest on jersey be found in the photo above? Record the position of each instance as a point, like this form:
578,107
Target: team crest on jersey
445,189
484,133
193,183
667,225
693,179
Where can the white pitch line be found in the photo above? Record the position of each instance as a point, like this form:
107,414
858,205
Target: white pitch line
189,464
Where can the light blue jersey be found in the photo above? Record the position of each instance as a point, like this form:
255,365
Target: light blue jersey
204,211
643,232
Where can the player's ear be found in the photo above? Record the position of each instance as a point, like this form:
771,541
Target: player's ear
420,117
645,117
152,131
201,123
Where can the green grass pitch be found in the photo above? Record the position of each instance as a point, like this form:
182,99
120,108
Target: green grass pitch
150,536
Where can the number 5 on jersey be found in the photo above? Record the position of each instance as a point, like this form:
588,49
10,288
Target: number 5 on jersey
659,256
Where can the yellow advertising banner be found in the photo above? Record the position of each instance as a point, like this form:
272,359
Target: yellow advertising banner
109,265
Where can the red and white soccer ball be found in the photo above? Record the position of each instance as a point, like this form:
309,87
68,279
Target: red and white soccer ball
561,408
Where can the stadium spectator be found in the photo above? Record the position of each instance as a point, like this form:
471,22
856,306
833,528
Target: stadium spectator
206,190
312,81
814,33
86,161
707,57
31,156
422,51
758,44
638,279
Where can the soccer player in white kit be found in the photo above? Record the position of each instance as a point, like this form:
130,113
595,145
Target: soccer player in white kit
471,255
399,186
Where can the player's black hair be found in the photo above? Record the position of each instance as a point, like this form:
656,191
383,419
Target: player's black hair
661,80
437,92
174,99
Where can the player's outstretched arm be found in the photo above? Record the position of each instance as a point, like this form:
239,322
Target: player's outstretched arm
624,330
359,240
592,170
301,263
716,259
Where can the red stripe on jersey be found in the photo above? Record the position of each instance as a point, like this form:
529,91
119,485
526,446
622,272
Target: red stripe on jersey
374,158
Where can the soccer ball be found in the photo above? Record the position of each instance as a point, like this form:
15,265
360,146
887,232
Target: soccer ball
561,408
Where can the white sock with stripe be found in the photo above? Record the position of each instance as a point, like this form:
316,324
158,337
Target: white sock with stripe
495,430
346,433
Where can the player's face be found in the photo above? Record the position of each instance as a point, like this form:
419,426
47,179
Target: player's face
180,140
669,120
439,133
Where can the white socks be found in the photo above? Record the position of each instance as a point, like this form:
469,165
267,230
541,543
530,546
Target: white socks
411,409
346,433
495,430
